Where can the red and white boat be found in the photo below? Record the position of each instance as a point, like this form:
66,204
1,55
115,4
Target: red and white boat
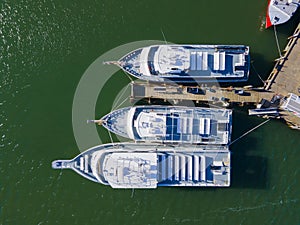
280,11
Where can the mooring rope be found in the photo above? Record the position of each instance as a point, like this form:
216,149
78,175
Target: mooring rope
259,125
277,42
132,193
121,103
127,75
217,106
112,141
161,30
123,92
257,73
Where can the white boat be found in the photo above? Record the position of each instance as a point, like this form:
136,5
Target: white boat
280,11
188,63
136,165
171,124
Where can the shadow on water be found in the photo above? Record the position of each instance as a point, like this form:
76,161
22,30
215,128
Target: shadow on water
248,171
289,27
260,67
248,168
242,122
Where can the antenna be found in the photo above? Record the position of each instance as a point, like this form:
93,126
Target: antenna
163,36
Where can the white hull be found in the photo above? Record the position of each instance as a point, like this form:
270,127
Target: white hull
171,124
188,63
136,165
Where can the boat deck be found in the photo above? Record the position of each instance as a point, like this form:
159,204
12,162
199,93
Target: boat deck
207,168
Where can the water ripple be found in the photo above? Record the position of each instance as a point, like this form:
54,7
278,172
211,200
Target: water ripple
238,209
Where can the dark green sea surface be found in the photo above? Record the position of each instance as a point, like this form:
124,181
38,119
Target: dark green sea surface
45,48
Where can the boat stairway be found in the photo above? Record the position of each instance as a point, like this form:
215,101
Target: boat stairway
181,167
83,164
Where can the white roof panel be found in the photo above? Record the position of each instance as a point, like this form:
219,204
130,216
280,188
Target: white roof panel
131,170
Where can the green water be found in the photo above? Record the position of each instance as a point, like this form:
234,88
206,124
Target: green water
45,48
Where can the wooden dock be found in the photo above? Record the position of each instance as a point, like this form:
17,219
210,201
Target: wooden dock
284,79
146,90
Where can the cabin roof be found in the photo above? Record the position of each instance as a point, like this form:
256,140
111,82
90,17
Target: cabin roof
292,104
128,170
